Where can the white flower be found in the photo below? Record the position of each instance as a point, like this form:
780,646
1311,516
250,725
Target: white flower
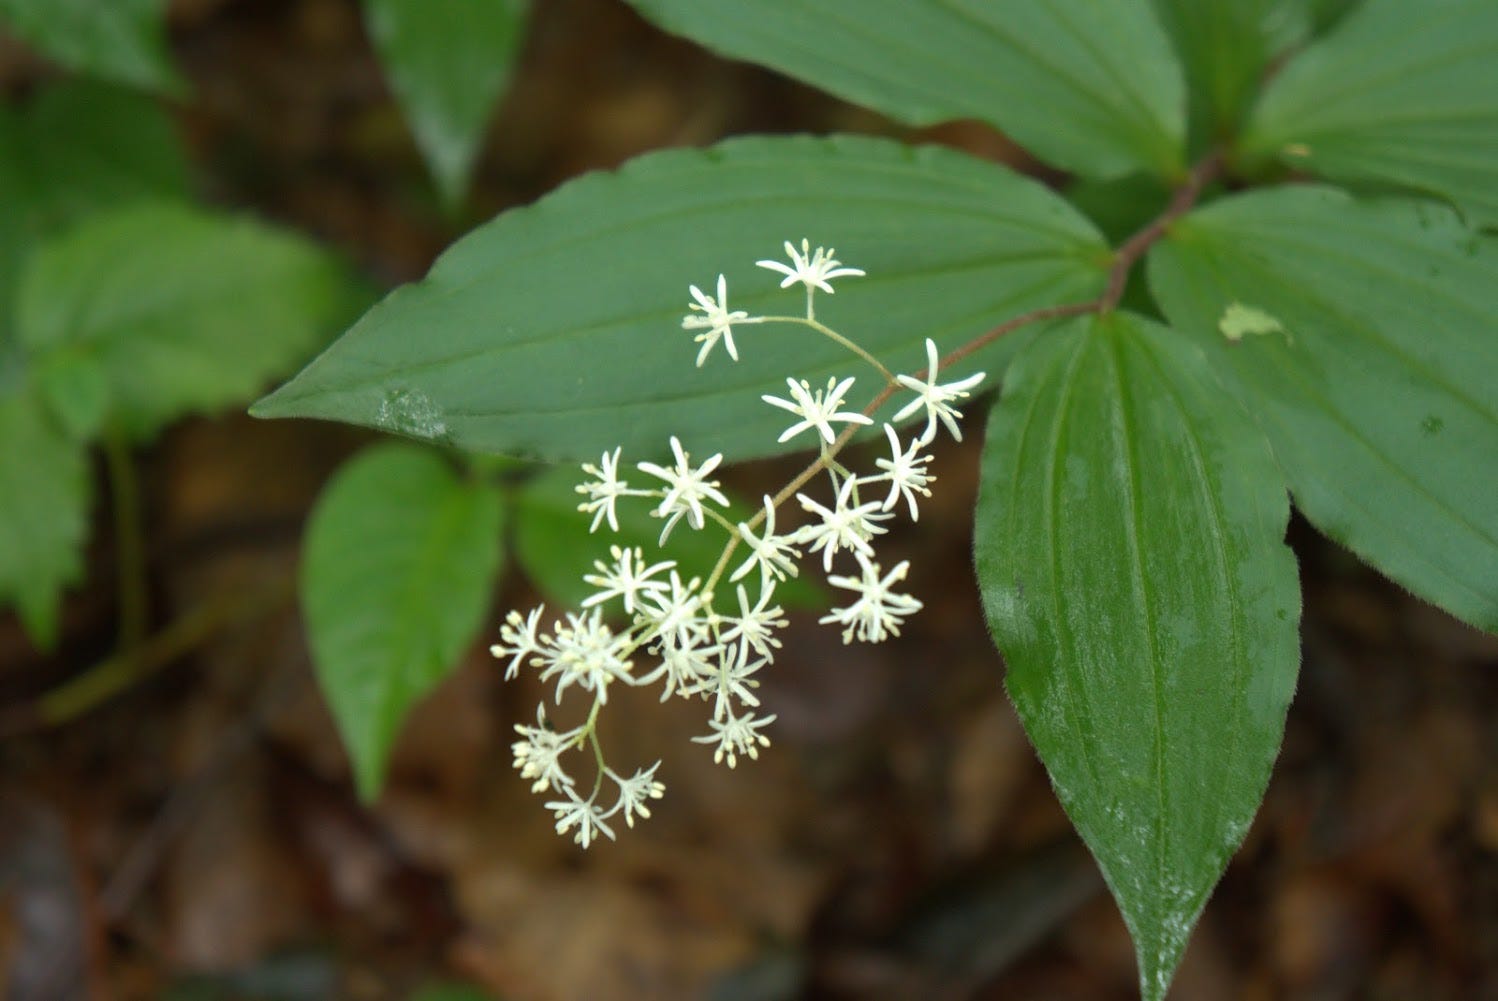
687,489
635,791
627,578
878,611
754,627
816,411
585,652
810,269
538,755
732,678
574,811
715,322
905,471
736,735
773,554
604,490
675,613
684,662
846,526
936,399
517,639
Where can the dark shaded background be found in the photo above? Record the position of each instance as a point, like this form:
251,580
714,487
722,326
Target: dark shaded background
198,837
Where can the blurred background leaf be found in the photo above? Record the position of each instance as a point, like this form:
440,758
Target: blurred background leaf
1392,100
1091,86
399,563
44,502
119,40
448,62
186,310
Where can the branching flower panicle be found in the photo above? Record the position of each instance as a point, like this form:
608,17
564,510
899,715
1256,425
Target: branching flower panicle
645,623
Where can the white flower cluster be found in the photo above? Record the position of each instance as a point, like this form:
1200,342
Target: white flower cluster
643,625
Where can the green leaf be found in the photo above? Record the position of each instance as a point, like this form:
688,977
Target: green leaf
1088,85
1394,97
119,40
555,548
1224,47
185,310
448,61
76,389
1380,396
44,500
400,558
1130,552
78,148
555,331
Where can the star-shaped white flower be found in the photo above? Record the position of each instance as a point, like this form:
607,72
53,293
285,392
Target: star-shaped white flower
518,639
817,410
687,488
538,754
603,490
574,811
754,627
936,398
878,611
731,678
737,735
585,652
773,554
676,614
635,792
814,270
906,472
686,658
715,322
627,577
846,526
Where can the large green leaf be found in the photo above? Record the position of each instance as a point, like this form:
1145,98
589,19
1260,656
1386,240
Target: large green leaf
447,61
120,40
1089,85
44,498
399,563
1224,47
555,331
74,149
185,310
1130,553
1398,94
1368,349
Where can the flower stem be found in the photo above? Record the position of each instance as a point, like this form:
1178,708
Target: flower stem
833,335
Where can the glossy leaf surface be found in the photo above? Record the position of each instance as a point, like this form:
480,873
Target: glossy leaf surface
1398,94
400,558
1380,394
555,331
448,61
1089,85
1130,552
184,309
